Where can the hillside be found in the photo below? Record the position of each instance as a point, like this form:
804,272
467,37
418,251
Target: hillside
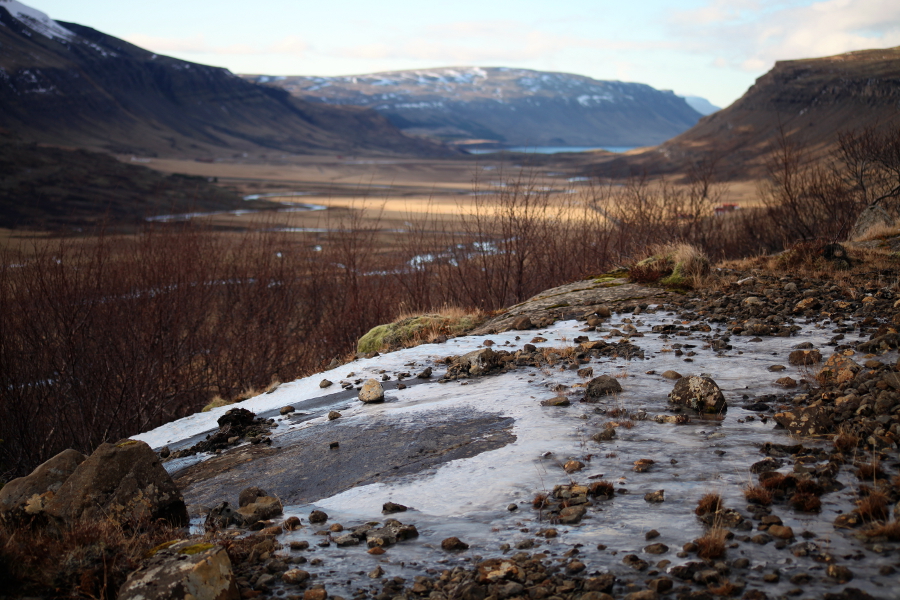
514,107
813,100
67,84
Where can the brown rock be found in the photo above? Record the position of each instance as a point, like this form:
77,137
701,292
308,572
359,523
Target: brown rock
392,507
642,465
782,532
262,509
698,393
522,323
332,415
838,369
48,477
453,543
657,496
371,392
788,382
295,576
183,571
600,387
656,549
316,593
124,482
804,357
674,375
318,516
249,495
573,466
839,572
572,514
494,570
807,421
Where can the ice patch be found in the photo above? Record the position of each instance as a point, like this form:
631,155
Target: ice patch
37,21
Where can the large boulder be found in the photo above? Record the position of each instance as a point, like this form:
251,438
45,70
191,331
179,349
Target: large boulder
838,369
372,391
123,481
871,218
185,570
29,494
698,393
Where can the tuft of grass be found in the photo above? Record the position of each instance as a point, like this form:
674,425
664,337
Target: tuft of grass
869,471
873,507
845,442
809,486
602,489
757,494
711,545
890,530
540,501
780,482
805,502
709,503
412,330
726,588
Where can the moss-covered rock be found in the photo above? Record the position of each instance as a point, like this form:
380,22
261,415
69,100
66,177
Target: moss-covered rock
410,330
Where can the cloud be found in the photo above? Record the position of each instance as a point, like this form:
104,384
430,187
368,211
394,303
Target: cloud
289,45
484,42
751,35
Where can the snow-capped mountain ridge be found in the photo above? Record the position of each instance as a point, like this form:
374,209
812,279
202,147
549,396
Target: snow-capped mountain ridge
505,105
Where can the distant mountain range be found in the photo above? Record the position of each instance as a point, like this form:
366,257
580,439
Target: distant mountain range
66,84
811,100
512,107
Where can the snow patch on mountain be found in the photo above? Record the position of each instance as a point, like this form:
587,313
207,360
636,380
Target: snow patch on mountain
37,21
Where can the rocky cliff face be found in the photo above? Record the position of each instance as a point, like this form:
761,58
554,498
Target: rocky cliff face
516,107
812,100
64,83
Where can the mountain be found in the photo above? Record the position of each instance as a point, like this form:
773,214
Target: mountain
701,105
811,100
66,84
514,107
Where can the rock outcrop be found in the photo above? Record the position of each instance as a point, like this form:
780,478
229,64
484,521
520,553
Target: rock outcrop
188,570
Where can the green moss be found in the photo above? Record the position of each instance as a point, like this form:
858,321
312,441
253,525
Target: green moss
126,443
196,549
216,403
676,278
396,334
152,552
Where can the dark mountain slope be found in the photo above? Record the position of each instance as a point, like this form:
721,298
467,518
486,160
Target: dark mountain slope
77,86
812,100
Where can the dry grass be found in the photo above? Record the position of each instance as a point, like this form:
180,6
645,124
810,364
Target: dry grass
602,489
869,471
709,503
845,442
890,530
540,501
878,232
86,560
757,494
677,264
805,502
873,507
726,588
780,482
712,545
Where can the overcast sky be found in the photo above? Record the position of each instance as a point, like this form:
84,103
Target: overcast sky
709,48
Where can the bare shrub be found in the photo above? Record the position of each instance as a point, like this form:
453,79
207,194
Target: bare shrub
712,544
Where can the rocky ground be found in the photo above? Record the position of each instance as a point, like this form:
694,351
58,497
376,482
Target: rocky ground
843,410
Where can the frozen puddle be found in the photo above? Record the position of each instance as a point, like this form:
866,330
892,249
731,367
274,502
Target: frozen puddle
469,497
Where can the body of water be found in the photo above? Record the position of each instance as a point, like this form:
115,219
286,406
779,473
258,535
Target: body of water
550,149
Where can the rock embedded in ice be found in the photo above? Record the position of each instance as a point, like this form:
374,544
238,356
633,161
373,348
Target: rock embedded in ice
249,495
804,357
598,387
698,393
454,544
371,392
325,383
261,509
318,516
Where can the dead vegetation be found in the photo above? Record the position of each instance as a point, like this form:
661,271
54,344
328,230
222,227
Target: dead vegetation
709,503
712,545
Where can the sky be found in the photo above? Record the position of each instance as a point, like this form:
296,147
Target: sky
709,48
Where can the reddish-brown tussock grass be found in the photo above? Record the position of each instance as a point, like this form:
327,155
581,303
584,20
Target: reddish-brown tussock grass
90,559
890,530
711,545
540,501
726,588
780,482
869,471
709,503
757,494
809,486
805,502
845,442
873,507
602,488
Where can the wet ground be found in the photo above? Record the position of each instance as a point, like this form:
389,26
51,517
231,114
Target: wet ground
461,454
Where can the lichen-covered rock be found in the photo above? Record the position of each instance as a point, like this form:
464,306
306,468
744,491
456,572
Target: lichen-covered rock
698,393
183,571
124,482
601,386
805,421
803,358
30,493
264,508
838,369
371,392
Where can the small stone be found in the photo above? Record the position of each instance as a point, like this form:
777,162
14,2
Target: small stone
392,507
325,383
642,465
317,516
575,566
292,524
522,323
377,550
573,466
286,410
376,573
787,382
674,375
371,392
334,445
657,496
334,415
426,374
299,545
840,572
656,549
652,534
512,507
599,387
804,357
295,576
782,532
315,594
453,544
572,514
